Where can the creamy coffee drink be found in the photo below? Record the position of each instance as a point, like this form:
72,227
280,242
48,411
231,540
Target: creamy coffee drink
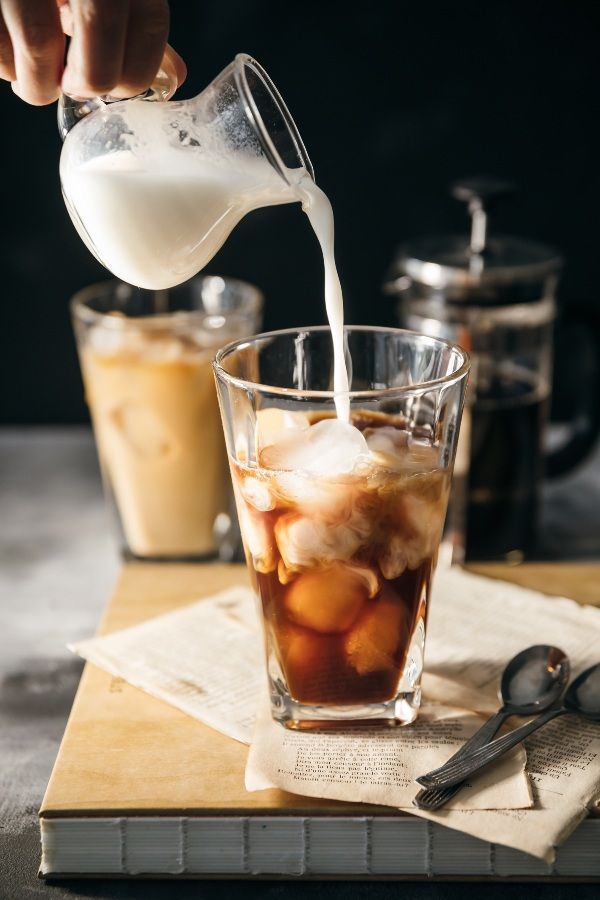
154,410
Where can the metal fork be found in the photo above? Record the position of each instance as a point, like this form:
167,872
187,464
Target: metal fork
434,798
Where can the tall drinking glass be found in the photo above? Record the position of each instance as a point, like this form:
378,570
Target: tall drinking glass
341,521
146,364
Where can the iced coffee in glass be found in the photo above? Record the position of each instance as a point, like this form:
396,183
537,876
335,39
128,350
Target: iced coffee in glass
146,364
341,517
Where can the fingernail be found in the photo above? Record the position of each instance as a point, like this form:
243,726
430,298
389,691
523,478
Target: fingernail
34,96
76,97
68,87
176,62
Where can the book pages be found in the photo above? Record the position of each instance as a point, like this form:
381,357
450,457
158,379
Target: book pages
205,659
477,624
379,765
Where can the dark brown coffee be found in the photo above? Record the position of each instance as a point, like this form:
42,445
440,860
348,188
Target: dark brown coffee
342,565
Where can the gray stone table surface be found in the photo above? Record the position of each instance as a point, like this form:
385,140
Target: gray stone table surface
57,565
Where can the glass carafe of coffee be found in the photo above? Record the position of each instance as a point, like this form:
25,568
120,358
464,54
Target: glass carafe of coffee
495,295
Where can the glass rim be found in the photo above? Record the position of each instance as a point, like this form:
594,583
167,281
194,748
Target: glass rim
241,62
83,312
400,390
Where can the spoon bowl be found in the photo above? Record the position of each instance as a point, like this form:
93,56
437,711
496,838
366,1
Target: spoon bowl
583,696
534,679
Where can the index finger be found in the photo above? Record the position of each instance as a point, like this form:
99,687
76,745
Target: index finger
38,47
147,32
7,59
95,57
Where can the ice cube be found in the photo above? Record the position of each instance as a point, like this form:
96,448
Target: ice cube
274,424
304,541
142,430
412,536
299,650
167,348
328,448
431,487
425,519
333,499
387,446
371,646
241,448
107,340
328,600
284,574
394,449
423,456
256,492
258,538
311,662
393,560
242,412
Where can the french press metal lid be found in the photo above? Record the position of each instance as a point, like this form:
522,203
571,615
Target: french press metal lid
480,269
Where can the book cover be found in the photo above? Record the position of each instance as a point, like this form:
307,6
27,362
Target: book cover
138,788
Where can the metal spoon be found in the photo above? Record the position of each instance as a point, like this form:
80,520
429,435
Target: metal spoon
582,699
532,681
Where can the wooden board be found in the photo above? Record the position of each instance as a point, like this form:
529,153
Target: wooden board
126,753
580,581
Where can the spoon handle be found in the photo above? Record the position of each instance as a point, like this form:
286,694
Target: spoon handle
467,765
433,798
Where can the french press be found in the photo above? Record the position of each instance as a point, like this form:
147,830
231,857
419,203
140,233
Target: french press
494,295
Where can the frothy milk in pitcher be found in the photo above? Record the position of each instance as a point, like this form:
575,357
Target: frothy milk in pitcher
156,222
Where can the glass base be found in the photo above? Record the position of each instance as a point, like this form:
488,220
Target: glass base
400,710
129,556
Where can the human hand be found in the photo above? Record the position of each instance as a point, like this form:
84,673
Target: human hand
116,48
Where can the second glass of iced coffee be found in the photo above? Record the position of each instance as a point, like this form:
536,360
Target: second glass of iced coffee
341,519
146,364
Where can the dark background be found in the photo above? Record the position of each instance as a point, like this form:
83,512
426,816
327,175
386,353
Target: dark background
394,101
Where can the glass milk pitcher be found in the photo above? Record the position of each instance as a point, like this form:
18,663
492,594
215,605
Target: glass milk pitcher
495,296
155,188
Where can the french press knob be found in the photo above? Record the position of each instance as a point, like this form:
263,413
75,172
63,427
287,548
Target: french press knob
481,194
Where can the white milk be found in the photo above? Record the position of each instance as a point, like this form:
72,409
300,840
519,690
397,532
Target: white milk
156,220
156,225
317,207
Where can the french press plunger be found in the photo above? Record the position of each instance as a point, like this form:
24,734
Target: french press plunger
495,295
